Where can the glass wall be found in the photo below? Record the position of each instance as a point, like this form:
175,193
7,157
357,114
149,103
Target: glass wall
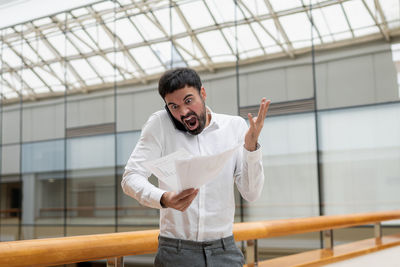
130,212
360,150
291,181
62,165
80,199
90,183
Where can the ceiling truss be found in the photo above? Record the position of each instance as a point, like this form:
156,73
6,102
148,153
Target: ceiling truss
87,36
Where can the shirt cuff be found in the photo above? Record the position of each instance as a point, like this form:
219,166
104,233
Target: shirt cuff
253,156
156,196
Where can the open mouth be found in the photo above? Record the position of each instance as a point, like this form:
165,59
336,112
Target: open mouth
191,122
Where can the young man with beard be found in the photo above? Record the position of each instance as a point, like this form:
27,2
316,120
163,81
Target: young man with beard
196,224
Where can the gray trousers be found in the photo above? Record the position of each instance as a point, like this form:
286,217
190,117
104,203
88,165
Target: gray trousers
216,253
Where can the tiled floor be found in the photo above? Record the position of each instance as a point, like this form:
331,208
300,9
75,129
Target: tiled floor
389,257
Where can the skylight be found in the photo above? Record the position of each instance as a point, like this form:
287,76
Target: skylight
93,46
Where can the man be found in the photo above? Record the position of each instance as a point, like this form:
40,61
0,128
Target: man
196,224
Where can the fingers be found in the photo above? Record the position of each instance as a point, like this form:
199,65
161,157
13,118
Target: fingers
183,203
182,200
255,125
185,193
251,120
187,201
265,110
262,113
262,107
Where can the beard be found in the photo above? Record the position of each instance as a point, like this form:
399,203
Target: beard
194,123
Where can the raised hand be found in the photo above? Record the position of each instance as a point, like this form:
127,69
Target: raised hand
256,125
179,201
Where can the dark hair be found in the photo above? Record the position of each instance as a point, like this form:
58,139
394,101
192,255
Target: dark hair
178,78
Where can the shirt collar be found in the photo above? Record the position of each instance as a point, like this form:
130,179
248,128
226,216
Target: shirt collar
213,122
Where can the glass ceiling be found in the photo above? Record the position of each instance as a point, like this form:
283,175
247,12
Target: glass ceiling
121,42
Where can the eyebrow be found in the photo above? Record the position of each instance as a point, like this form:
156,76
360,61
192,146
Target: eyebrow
188,95
172,103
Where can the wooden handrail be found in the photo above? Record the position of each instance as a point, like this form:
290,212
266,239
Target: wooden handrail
16,210
85,208
65,250
274,228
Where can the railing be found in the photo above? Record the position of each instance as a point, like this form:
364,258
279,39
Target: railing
113,247
10,213
90,211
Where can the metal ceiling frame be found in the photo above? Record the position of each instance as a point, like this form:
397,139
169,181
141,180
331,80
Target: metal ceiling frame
95,17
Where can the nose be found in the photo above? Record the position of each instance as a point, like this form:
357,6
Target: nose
183,111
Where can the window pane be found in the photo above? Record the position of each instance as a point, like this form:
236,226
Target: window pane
9,232
91,197
163,17
279,5
297,28
361,155
10,205
43,156
131,212
10,159
335,19
146,58
289,157
90,152
126,142
43,199
196,14
357,14
146,27
217,48
223,10
127,32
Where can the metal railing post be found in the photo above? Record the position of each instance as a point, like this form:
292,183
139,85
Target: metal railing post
115,262
378,230
328,239
251,253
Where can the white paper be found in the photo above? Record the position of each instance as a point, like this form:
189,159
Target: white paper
181,170
164,168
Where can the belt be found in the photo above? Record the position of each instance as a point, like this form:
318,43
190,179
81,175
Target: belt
189,244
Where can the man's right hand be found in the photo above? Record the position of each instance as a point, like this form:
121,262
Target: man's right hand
179,201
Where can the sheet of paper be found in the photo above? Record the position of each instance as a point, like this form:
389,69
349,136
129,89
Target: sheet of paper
197,171
164,168
181,170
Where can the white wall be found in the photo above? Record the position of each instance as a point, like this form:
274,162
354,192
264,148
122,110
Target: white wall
358,75
11,125
43,122
134,108
10,159
90,110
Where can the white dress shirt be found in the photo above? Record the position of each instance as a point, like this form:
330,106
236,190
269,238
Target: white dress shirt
210,216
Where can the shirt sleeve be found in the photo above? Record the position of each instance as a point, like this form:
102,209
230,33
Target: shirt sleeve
135,181
249,172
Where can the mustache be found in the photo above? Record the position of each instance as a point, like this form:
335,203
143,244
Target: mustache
188,115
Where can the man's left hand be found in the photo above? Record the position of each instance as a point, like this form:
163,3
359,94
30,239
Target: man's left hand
256,125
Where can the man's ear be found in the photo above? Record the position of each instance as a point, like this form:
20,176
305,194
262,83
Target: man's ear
203,93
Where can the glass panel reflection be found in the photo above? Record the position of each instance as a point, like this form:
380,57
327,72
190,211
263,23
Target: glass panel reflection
130,212
290,187
49,198
91,196
43,156
90,152
9,233
360,156
126,142
10,200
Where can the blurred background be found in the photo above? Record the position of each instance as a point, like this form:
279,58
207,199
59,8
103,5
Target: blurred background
79,79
